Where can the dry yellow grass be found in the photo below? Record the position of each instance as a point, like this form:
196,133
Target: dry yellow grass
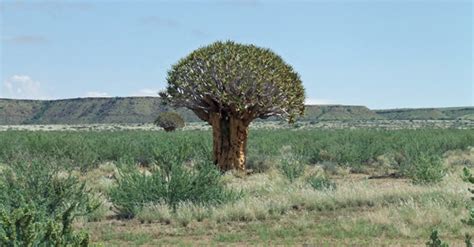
360,212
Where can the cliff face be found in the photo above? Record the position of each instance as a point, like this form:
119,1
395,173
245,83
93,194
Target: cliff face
146,109
448,113
84,110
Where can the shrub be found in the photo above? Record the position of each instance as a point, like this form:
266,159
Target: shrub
27,226
469,178
177,183
259,163
425,168
321,183
292,167
170,121
435,241
467,240
38,205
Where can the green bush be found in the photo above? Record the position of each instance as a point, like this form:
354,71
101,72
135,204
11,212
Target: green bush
425,168
435,241
27,226
469,178
170,121
321,183
467,240
39,203
177,183
259,163
292,167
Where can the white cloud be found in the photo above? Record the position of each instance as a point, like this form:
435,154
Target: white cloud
312,101
146,92
25,40
94,94
22,87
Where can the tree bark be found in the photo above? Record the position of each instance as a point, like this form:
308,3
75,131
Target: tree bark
229,141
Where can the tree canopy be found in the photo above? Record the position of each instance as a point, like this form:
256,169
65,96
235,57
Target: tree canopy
244,81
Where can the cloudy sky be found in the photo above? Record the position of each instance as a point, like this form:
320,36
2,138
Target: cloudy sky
382,54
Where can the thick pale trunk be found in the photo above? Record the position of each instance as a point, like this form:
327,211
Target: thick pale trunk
230,141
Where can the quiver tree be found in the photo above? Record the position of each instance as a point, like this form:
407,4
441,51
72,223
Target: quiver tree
169,121
228,85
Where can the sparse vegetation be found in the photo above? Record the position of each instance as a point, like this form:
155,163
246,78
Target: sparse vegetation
167,186
237,143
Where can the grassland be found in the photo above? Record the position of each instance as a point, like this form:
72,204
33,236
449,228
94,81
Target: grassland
269,125
360,212
384,187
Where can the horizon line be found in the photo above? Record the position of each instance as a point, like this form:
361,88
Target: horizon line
124,97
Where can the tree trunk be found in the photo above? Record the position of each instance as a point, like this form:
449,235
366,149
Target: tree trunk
229,141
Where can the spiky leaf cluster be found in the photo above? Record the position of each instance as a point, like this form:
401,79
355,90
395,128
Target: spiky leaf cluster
39,203
245,81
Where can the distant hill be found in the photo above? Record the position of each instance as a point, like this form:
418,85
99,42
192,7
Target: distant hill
84,111
145,110
338,112
428,113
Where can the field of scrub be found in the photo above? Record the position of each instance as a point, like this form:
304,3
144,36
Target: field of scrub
304,186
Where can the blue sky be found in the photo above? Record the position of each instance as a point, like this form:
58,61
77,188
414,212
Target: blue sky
382,54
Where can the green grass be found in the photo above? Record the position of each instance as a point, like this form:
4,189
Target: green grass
352,148
358,211
329,201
